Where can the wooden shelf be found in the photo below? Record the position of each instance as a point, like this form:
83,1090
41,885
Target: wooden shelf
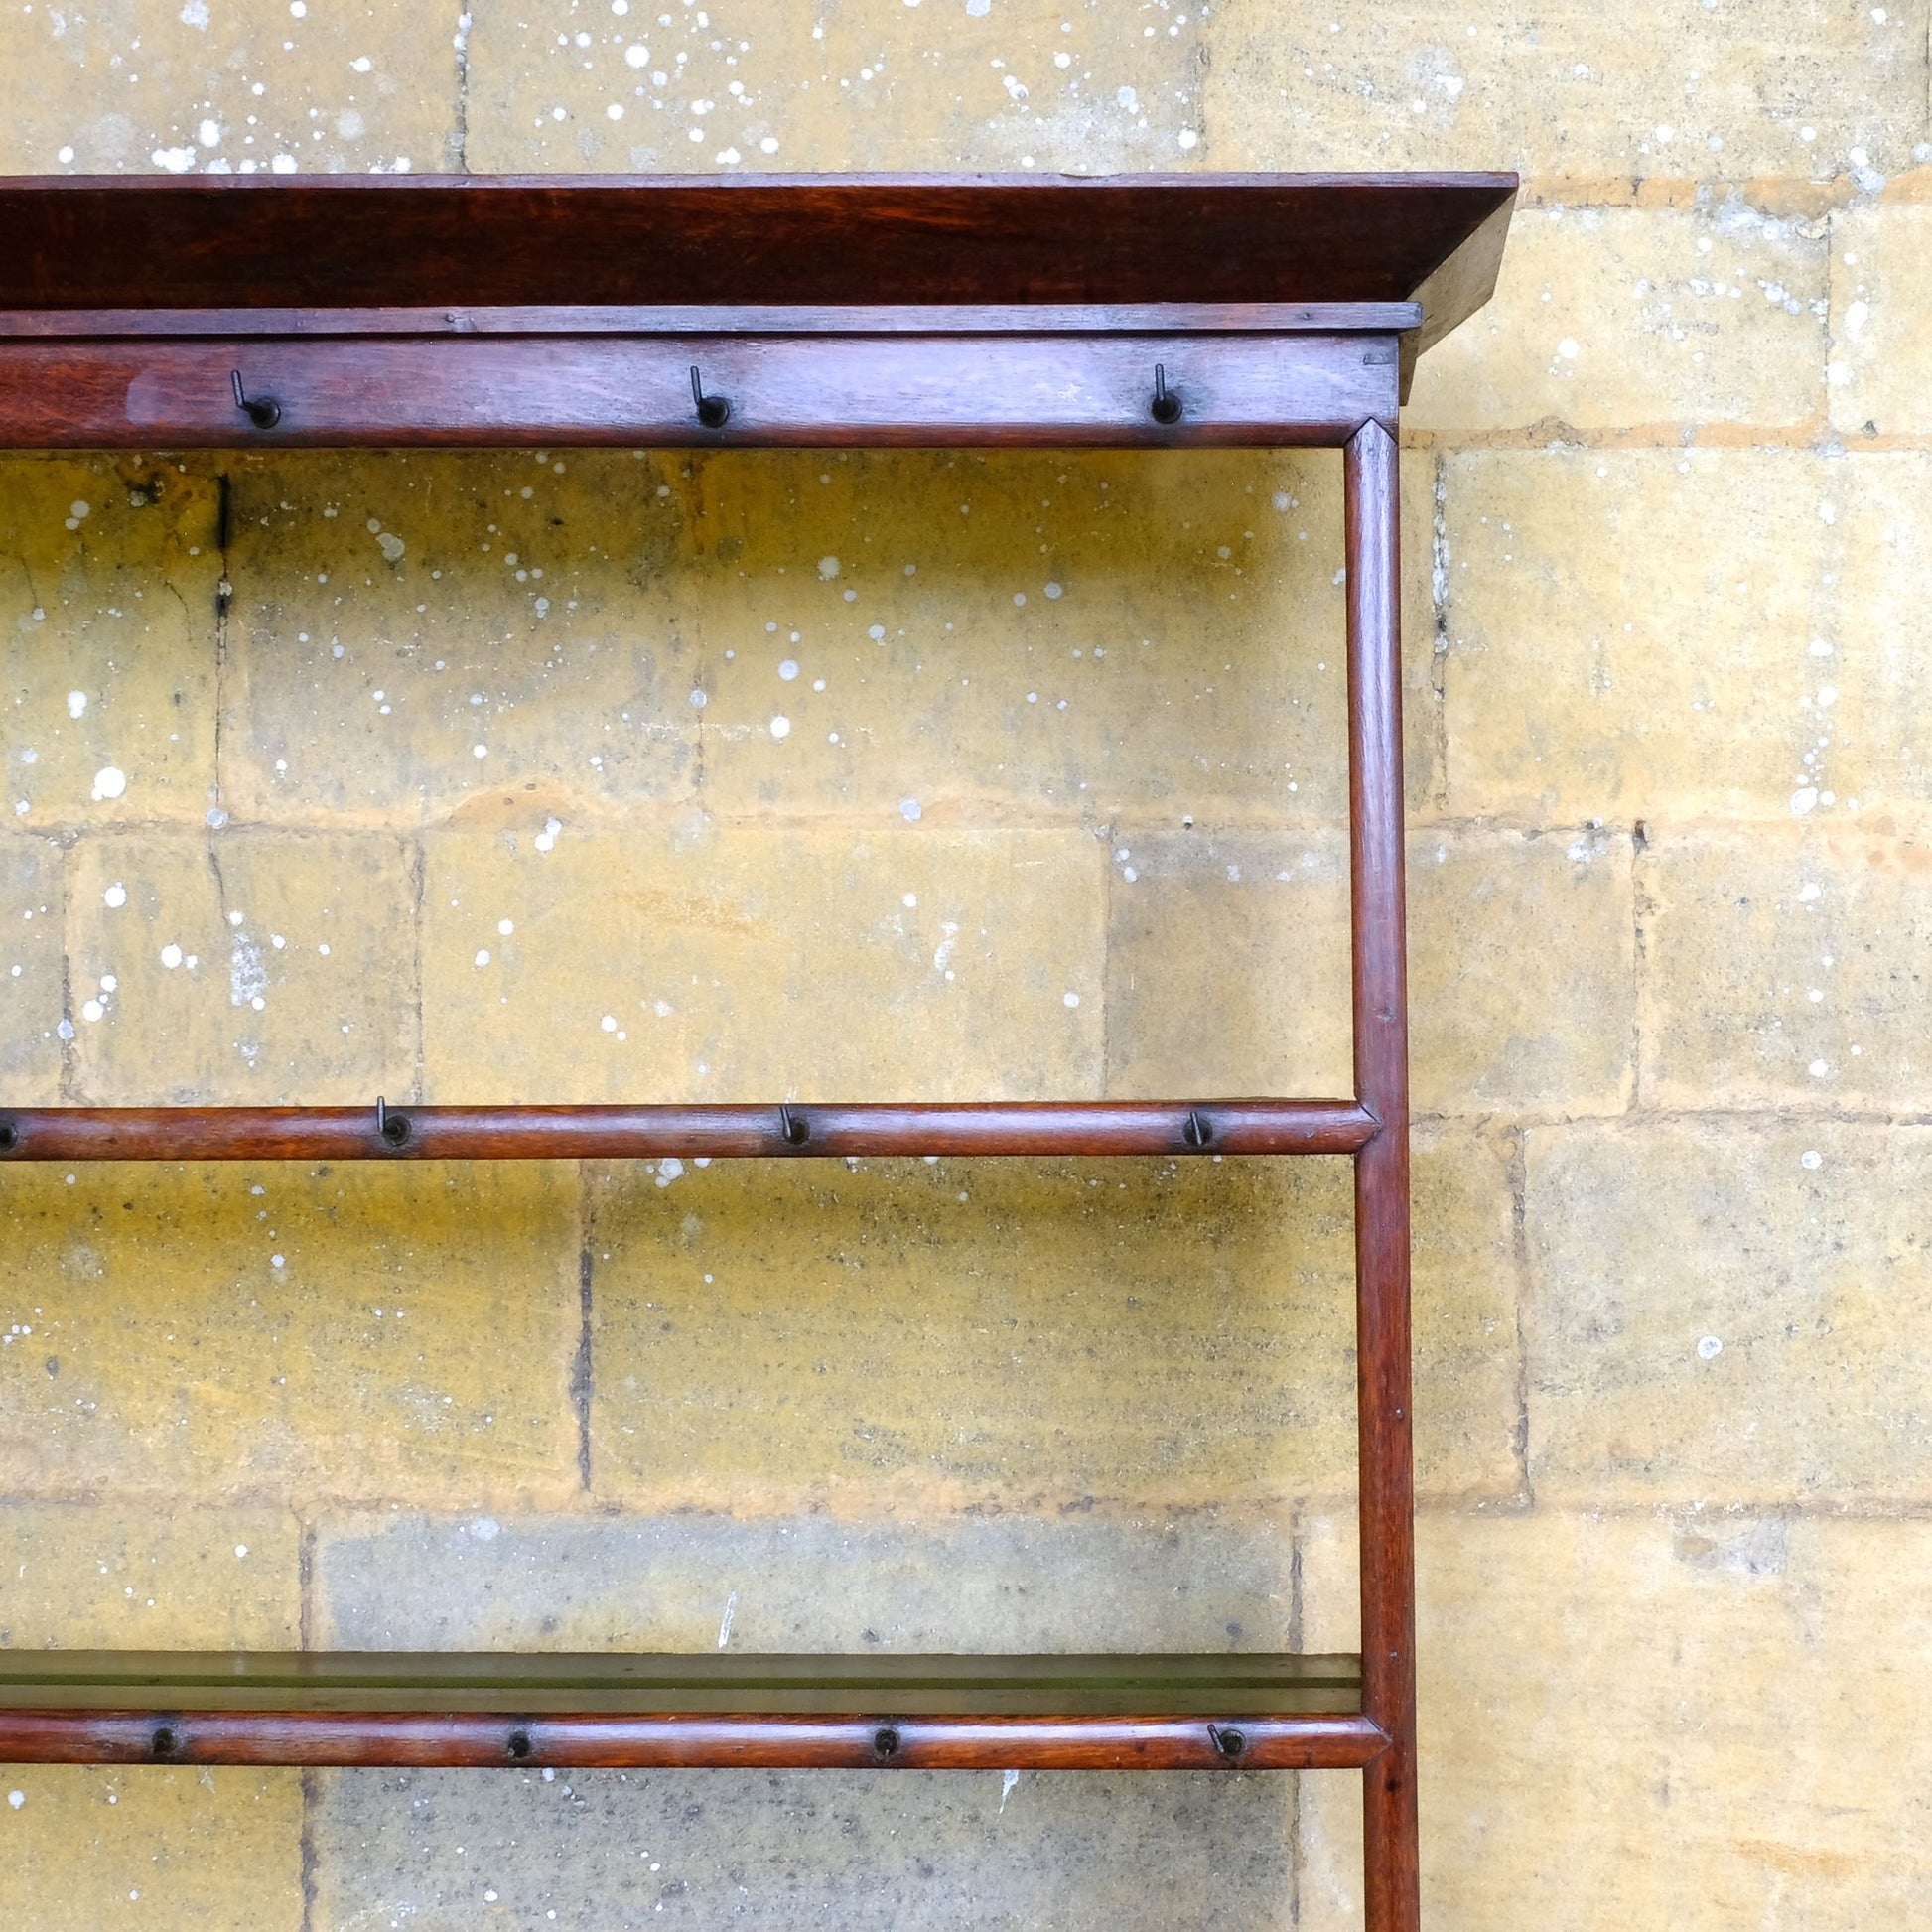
1030,312
1242,1712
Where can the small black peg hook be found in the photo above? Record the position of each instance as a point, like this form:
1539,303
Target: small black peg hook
263,411
795,1130
714,412
1197,1132
393,1128
1167,405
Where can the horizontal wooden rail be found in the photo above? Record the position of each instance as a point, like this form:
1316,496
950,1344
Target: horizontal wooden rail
377,1133
634,392
480,1740
1097,1713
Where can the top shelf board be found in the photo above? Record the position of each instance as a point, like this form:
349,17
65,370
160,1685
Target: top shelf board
82,243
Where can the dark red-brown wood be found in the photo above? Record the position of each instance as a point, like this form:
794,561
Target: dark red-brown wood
1372,517
1202,1712
1070,1127
359,241
1024,311
884,1742
792,390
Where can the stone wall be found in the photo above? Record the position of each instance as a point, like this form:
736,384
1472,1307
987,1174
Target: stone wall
1013,775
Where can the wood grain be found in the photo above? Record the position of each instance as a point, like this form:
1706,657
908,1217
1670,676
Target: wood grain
366,242
1057,391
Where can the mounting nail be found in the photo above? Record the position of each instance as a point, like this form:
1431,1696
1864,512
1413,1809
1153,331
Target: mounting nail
394,1128
884,1742
1230,1742
519,1745
263,411
795,1129
714,412
9,1136
1167,405
165,1741
1197,1132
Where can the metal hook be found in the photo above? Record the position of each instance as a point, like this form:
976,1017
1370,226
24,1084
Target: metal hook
263,411
795,1130
393,1128
1167,405
714,412
1196,1133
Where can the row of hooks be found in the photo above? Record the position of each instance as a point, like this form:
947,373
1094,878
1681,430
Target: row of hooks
713,411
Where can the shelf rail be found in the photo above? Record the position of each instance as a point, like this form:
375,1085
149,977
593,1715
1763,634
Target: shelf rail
783,1130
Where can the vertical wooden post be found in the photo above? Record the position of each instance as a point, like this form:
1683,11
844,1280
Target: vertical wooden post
1371,500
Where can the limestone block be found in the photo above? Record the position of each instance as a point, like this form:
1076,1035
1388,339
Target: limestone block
121,1847
1565,90
1620,319
699,960
1727,1311
410,630
1787,968
752,87
1651,1720
108,576
32,957
1521,971
275,1332
243,967
236,86
103,1576
1632,633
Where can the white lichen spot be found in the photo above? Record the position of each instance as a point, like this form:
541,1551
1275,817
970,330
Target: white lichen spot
1070,1000
1710,1348
1812,1159
115,897
110,781
828,568
1803,800
668,1170
170,956
781,726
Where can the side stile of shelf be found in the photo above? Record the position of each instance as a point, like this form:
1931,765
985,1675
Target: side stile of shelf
1386,1473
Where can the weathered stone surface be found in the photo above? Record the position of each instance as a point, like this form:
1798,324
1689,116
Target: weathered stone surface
1631,632
1227,964
412,630
235,967
1075,635
108,571
904,1336
365,1331
868,87
1631,1719
1621,319
31,994
229,88
1502,1026
1881,282
699,960
1563,90
108,1577
1788,969
1729,1310
932,1849
1185,1579
220,1849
